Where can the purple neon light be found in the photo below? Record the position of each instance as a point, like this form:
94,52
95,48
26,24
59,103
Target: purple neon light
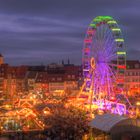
113,107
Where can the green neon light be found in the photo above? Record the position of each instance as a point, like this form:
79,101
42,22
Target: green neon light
102,18
112,22
120,53
119,40
116,29
93,25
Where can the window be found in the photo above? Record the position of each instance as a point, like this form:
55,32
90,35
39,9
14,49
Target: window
127,67
59,78
130,73
53,79
73,76
136,65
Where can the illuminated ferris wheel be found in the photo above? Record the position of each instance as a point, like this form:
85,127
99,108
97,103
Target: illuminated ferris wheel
104,58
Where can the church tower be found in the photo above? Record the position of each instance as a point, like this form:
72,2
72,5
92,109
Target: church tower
1,59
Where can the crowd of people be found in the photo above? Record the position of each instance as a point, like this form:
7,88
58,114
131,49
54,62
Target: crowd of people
66,123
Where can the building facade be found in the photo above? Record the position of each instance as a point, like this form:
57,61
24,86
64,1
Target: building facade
132,78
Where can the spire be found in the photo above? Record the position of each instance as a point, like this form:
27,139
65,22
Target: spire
68,61
62,62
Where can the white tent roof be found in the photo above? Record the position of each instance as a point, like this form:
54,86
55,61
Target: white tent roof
106,122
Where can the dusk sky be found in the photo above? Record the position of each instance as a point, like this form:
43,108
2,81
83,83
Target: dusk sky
45,31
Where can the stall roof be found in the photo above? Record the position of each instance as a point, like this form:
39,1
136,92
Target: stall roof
106,122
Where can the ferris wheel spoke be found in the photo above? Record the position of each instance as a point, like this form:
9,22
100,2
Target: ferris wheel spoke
109,79
113,74
107,33
111,51
108,41
111,57
113,65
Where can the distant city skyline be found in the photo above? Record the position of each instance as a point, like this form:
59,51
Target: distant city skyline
42,31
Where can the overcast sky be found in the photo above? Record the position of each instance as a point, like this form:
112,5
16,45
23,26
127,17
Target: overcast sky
45,31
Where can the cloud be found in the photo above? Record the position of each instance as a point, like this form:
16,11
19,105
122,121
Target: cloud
55,30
